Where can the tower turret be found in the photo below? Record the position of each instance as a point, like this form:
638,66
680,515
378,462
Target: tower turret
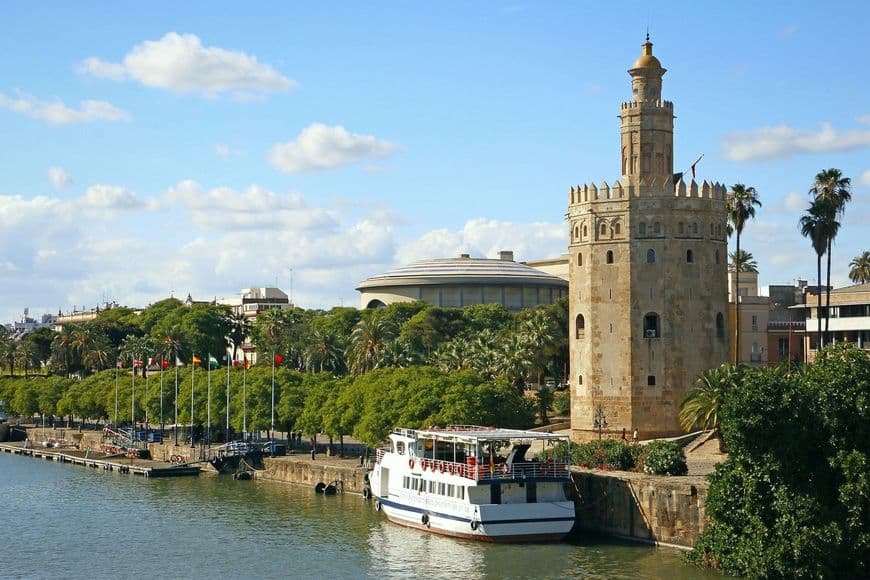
647,122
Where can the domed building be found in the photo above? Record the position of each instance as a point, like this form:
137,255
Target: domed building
464,281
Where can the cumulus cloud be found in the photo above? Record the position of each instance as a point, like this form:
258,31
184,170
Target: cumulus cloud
57,113
59,178
320,147
865,178
225,208
486,237
785,141
224,151
180,63
111,197
795,202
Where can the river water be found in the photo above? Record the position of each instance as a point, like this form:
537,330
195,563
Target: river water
64,521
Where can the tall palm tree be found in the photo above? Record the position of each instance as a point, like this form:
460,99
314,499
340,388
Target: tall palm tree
10,349
702,404
813,226
368,343
62,348
741,208
240,329
26,356
323,352
743,262
831,186
859,272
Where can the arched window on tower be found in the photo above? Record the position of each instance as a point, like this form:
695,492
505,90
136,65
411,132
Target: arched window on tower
651,326
720,325
650,256
580,327
609,256
616,228
641,229
657,228
690,256
576,233
579,259
680,229
603,230
695,228
585,233
717,256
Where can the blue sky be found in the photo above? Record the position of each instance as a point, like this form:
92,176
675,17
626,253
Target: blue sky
202,147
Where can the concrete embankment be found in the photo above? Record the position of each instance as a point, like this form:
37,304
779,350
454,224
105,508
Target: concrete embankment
302,470
656,509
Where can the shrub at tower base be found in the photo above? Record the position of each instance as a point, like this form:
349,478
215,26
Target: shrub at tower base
793,498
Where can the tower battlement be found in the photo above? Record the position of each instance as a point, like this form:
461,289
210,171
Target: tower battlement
590,192
640,105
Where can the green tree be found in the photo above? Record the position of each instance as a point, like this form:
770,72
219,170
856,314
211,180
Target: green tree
817,224
41,341
742,262
702,405
368,342
239,330
831,187
741,204
859,269
324,353
793,497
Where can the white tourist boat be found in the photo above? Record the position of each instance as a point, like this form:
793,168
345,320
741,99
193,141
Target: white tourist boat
474,482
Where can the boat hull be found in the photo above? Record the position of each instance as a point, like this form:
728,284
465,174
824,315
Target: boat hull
543,522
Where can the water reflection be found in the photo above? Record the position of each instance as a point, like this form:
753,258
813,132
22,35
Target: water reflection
66,521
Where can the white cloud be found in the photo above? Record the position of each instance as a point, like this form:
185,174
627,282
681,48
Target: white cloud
110,197
789,30
784,141
321,147
485,238
224,151
795,202
253,208
863,119
57,113
180,62
59,178
865,178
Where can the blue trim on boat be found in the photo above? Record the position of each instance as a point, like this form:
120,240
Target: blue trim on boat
468,520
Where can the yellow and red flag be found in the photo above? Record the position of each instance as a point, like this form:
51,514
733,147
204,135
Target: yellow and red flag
196,360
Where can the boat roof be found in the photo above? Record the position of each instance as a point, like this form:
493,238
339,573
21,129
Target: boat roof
476,433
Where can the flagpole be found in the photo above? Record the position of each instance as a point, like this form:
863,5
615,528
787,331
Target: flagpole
176,399
192,385
227,434
161,399
117,362
133,402
245,396
208,397
272,432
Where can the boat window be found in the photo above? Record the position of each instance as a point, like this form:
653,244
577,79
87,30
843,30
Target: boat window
406,482
431,486
400,447
441,488
450,489
461,492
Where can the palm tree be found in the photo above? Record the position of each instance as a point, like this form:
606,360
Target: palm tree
240,329
860,269
368,342
323,353
813,226
515,360
10,349
741,208
831,186
743,262
62,348
26,356
702,404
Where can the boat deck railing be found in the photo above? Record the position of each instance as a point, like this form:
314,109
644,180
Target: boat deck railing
489,472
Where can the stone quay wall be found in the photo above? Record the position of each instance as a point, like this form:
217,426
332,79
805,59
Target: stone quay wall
648,508
302,470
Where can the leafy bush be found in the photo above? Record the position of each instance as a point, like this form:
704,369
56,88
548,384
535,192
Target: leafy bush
664,458
604,454
562,404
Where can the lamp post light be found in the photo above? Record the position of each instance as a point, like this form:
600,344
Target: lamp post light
599,421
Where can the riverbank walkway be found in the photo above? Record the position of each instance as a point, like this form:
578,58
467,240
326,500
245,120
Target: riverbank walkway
97,460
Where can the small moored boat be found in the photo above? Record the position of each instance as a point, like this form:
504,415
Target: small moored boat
474,482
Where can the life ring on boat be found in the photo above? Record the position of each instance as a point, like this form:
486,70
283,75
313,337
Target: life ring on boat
377,505
473,525
411,463
424,464
441,466
450,469
425,520
505,468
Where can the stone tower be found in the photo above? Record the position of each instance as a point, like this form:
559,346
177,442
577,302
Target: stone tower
648,287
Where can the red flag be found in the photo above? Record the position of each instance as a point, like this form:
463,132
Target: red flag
278,359
247,362
164,363
196,360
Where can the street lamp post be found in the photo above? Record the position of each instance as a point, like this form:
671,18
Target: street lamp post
599,421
